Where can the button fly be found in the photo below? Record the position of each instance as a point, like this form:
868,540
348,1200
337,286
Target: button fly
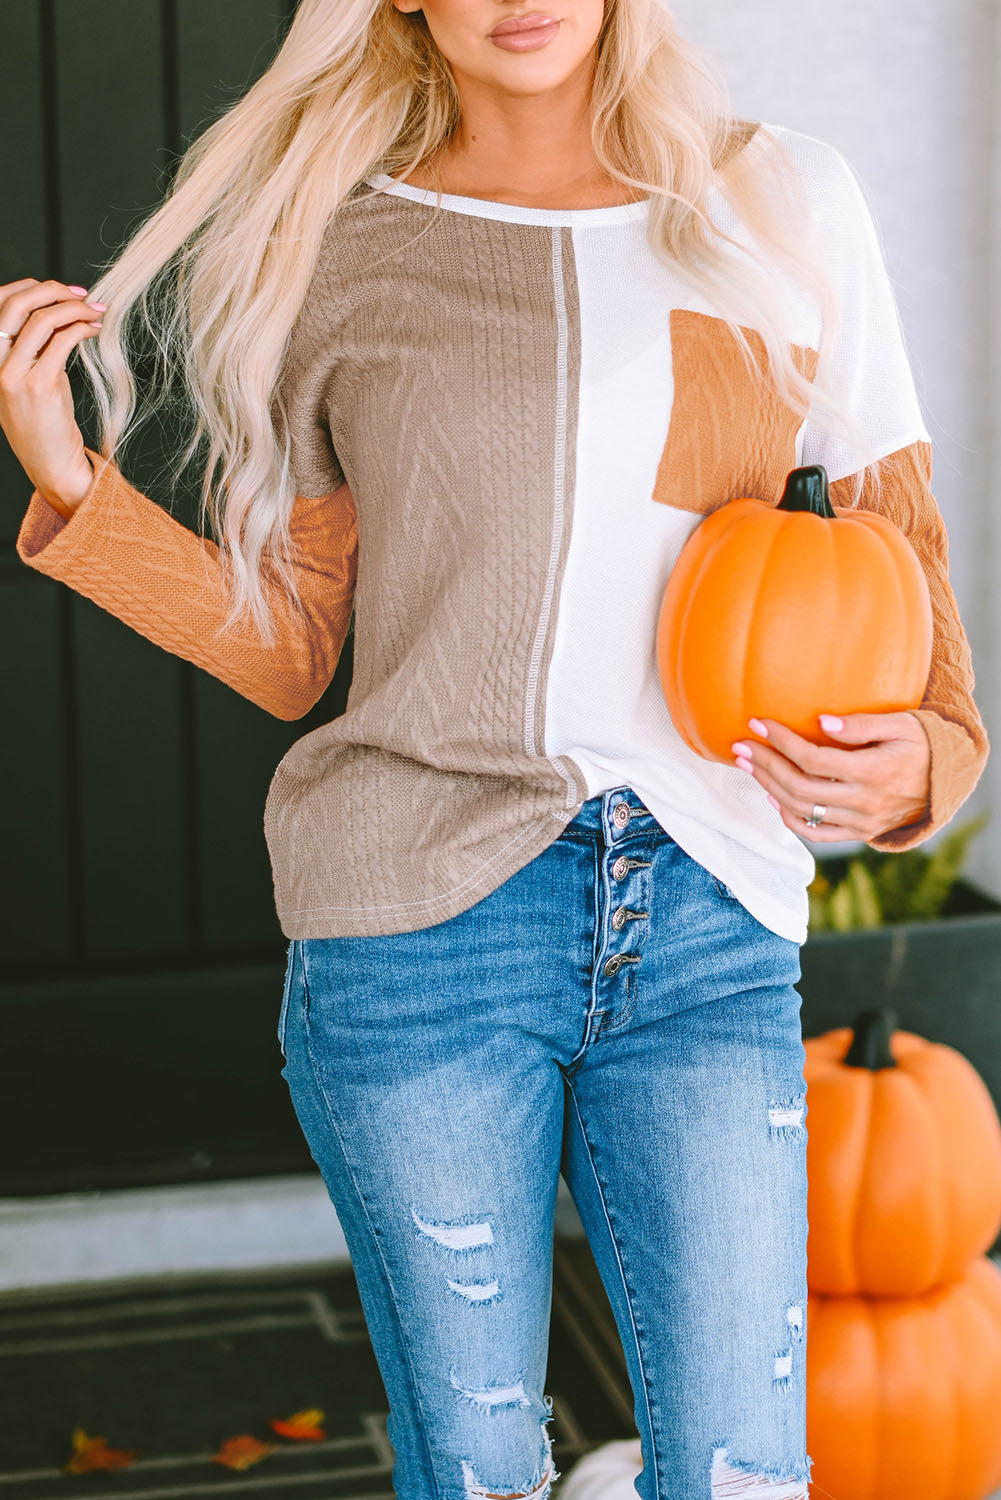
619,918
620,869
612,965
621,813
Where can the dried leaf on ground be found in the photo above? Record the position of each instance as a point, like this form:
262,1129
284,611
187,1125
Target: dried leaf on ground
242,1452
92,1454
304,1426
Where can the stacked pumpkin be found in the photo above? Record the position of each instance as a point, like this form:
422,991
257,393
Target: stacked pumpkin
904,1310
786,610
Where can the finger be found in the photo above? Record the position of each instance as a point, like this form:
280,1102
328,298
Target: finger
18,306
784,767
818,760
29,340
6,312
35,340
43,322
53,359
832,829
801,793
826,833
840,806
862,729
852,824
777,774
9,287
28,293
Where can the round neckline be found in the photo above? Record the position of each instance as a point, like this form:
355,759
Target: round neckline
518,213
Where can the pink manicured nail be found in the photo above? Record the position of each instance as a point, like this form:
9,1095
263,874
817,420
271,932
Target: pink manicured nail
81,289
774,801
744,763
739,748
758,727
831,721
101,306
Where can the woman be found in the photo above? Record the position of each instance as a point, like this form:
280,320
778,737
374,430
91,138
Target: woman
481,309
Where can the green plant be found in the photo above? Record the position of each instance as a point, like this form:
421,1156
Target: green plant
872,887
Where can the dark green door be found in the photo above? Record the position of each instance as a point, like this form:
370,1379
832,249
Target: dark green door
143,960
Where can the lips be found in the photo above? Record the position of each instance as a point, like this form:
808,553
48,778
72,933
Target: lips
524,23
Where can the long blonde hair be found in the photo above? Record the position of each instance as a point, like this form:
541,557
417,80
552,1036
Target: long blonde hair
220,271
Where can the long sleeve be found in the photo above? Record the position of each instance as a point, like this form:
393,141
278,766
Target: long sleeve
133,559
873,372
948,713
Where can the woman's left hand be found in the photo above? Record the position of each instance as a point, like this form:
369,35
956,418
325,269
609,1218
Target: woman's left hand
883,783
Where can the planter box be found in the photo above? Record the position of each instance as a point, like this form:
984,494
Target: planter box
942,977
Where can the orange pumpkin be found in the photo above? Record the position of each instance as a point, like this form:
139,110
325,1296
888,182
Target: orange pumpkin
790,611
903,1395
903,1160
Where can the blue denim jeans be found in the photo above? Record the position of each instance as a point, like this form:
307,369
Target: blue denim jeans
611,1011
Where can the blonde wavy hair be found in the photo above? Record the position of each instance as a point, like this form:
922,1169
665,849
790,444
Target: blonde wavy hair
218,274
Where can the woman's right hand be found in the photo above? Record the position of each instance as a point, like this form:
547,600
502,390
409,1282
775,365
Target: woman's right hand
46,319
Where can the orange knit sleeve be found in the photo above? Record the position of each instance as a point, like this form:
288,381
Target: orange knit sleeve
948,713
133,559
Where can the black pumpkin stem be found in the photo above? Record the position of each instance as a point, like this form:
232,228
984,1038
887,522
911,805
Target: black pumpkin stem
870,1046
806,489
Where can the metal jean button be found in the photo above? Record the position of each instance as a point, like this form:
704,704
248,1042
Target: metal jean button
619,918
612,965
621,813
620,868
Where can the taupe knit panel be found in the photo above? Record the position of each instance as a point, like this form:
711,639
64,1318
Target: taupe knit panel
453,343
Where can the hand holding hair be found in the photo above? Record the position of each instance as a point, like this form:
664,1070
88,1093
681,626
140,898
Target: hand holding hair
41,322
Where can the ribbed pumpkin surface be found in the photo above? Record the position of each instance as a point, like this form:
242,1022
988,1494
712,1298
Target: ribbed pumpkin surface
903,1167
788,614
904,1394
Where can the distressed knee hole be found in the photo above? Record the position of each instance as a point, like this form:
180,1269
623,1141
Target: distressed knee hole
782,1369
490,1397
794,1317
461,1236
538,1489
736,1480
476,1291
477,1491
786,1118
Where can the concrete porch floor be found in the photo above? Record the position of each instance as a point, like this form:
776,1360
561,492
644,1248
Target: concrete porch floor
196,1337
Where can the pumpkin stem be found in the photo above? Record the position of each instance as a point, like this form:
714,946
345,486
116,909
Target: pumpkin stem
870,1045
806,489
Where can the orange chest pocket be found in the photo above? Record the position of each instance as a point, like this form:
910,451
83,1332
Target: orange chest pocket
729,434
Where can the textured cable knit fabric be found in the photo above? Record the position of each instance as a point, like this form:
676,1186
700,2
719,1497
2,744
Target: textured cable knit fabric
491,408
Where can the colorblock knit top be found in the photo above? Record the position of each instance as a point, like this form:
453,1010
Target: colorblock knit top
505,422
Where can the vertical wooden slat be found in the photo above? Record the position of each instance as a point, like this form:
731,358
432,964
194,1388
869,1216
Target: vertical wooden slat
222,49
39,832
133,833
36,899
23,249
131,763
171,151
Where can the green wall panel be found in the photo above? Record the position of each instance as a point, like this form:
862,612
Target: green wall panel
24,243
38,904
132,826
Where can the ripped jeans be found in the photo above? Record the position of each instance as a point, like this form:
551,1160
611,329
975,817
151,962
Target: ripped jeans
611,1011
